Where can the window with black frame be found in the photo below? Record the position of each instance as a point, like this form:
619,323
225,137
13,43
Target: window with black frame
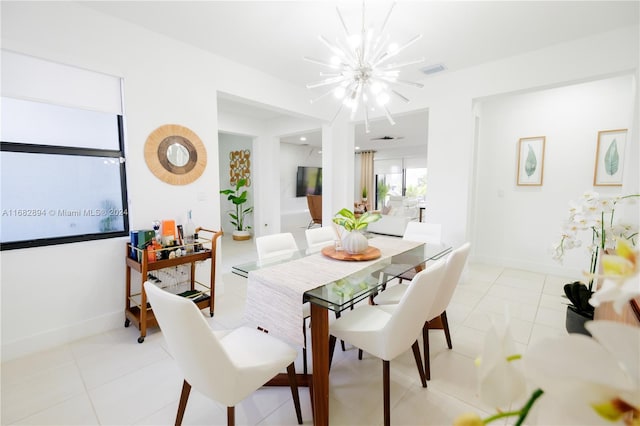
63,175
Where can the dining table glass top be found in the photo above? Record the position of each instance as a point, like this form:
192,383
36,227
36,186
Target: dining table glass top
340,294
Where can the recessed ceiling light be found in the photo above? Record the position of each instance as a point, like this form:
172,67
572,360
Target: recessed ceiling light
357,147
302,138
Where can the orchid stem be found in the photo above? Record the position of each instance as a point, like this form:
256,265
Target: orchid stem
500,416
525,410
521,413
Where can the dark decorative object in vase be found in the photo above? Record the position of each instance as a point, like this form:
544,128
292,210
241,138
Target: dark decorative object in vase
580,311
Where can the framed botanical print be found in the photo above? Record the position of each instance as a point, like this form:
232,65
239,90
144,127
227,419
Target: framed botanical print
531,161
610,157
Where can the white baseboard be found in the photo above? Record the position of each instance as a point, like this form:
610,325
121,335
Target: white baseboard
543,268
60,336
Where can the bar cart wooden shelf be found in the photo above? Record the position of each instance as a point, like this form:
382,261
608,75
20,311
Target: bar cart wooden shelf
202,294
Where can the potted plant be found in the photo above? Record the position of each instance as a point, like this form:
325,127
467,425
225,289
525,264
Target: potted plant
364,193
383,189
595,215
354,242
238,196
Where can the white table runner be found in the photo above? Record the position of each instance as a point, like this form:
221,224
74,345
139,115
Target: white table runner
274,294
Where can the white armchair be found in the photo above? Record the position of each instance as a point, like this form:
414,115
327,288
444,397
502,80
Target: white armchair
225,366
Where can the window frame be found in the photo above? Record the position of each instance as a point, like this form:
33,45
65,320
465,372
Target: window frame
20,147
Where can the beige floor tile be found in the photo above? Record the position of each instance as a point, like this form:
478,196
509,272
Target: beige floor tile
111,379
74,411
40,391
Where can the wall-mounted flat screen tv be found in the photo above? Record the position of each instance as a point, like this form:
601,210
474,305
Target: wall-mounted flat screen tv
308,181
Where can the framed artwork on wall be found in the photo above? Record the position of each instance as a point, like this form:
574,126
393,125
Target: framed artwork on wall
609,157
531,161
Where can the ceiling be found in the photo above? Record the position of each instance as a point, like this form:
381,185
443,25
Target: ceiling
273,36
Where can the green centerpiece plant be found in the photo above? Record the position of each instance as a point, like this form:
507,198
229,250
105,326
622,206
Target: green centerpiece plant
354,242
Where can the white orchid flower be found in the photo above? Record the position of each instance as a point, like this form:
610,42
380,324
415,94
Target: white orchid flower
621,278
587,381
500,377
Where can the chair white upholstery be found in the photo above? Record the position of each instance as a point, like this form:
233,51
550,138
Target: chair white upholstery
317,238
423,232
225,366
455,265
276,245
430,233
388,331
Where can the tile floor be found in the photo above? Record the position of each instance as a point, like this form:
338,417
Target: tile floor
110,379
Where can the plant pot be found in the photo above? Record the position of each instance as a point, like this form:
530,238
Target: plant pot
355,243
241,235
576,320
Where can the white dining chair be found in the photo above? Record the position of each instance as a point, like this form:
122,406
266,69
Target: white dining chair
225,366
318,238
422,232
275,245
438,311
388,331
281,245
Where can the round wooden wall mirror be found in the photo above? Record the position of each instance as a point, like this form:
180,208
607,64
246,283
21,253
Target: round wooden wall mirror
175,154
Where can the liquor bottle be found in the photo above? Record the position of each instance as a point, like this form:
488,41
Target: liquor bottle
189,230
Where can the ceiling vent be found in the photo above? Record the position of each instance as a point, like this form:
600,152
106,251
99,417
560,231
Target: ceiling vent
433,69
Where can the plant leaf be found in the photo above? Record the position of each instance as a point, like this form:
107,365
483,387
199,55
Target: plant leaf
532,163
611,159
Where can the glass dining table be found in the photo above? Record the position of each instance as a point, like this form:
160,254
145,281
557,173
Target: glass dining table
345,288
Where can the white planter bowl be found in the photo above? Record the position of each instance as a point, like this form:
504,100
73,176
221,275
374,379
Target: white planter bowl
355,243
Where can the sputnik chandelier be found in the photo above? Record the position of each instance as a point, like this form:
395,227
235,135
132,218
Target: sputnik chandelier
361,75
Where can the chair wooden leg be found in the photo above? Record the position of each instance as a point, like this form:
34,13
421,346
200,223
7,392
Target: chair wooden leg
425,341
291,372
445,326
332,347
184,396
386,393
418,358
231,416
304,348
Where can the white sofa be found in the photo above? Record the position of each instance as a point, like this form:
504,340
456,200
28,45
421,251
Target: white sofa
395,215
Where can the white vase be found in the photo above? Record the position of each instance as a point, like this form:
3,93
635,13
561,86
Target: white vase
355,243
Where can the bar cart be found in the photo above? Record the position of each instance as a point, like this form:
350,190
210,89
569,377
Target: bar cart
137,309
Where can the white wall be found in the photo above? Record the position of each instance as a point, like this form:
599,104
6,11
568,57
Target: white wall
52,295
450,99
228,143
517,225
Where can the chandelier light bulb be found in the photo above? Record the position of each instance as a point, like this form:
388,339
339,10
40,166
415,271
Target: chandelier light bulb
360,64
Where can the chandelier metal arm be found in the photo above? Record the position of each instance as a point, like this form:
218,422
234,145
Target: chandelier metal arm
398,81
326,81
344,26
401,96
388,114
387,55
403,64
